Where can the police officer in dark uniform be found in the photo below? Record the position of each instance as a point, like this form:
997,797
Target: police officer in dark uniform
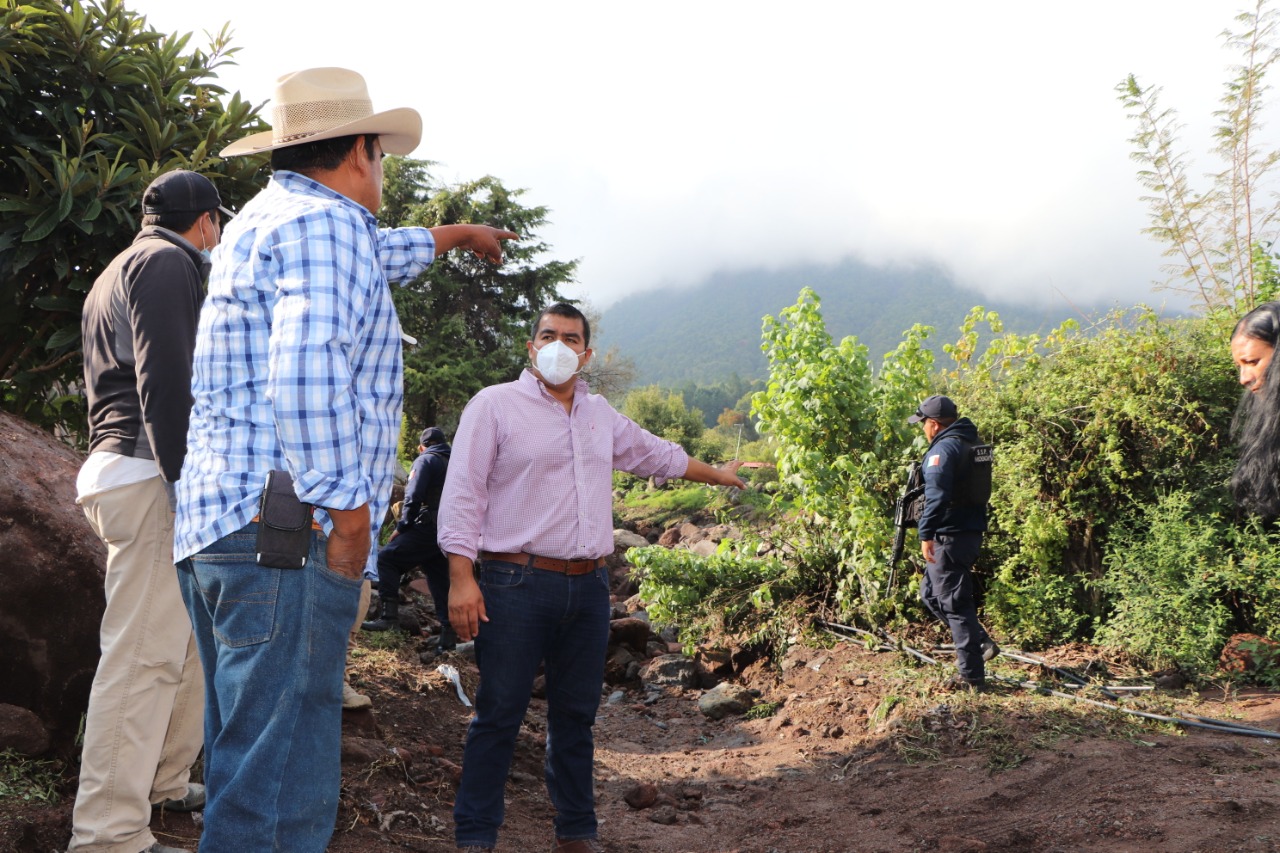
414,541
957,485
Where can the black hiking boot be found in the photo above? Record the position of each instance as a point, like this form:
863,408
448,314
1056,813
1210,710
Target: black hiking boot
389,619
448,639
446,642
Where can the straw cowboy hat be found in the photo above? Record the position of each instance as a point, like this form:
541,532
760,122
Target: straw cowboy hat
325,103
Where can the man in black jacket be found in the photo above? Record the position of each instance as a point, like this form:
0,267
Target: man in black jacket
414,541
957,486
144,725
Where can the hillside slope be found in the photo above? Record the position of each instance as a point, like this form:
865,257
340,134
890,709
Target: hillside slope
712,331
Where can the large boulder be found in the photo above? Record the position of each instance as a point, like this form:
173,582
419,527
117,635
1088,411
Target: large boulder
624,539
22,731
51,575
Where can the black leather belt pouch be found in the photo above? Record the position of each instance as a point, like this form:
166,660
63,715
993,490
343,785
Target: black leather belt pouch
284,525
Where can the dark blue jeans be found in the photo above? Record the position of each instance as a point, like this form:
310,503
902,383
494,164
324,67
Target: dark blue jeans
415,547
947,590
535,616
273,643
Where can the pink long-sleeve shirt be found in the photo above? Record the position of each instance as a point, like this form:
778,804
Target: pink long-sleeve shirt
525,475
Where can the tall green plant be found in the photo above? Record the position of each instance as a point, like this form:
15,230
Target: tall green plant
842,437
1213,233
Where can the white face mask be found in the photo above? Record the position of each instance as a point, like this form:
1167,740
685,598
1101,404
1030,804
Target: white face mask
556,362
207,251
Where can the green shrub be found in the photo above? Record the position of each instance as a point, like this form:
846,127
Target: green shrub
1089,426
1182,581
714,447
1266,663
729,592
762,450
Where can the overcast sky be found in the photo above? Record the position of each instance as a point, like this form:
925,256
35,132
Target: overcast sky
673,139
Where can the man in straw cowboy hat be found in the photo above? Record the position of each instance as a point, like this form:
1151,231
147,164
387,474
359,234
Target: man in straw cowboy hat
297,370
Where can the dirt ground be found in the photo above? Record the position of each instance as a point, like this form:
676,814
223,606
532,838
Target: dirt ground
863,751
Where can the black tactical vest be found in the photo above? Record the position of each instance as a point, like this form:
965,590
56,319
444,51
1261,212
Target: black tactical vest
973,480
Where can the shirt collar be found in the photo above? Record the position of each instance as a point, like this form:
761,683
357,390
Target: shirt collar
152,231
298,182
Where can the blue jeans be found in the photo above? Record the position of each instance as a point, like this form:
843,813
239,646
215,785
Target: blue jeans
273,643
947,590
535,616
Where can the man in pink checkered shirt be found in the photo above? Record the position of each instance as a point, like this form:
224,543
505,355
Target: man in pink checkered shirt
527,520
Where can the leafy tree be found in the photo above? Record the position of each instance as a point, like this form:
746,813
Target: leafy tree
471,318
1219,237
732,393
94,104
663,413
731,419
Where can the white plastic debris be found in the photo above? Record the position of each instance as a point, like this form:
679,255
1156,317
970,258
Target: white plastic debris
451,673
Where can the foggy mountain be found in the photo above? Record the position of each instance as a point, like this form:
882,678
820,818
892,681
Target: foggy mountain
711,331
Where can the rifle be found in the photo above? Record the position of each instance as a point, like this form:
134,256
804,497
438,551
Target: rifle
906,513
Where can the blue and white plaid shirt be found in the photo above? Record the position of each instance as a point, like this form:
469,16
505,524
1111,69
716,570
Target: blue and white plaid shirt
297,361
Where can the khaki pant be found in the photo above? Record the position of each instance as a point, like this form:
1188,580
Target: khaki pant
366,593
145,723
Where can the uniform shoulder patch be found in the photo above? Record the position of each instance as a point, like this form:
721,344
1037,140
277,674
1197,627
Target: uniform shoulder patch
935,459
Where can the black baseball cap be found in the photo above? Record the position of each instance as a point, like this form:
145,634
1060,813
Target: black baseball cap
181,191
936,407
431,435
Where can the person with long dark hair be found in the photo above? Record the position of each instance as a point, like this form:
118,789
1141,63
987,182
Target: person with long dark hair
1256,481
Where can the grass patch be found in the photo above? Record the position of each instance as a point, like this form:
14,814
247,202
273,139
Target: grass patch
1004,729
389,656
763,710
384,641
28,780
882,711
919,749
679,501
663,506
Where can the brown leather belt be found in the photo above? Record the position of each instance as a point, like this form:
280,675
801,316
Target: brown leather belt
315,525
547,564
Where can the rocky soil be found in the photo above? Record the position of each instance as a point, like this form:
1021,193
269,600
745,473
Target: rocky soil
847,749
